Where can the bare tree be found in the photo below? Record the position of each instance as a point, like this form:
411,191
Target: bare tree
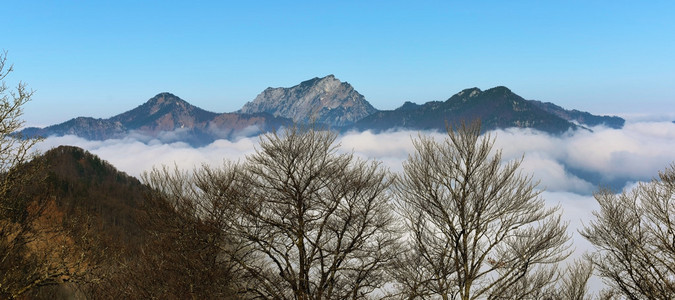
318,223
570,284
297,220
14,149
39,245
477,228
634,236
20,270
574,286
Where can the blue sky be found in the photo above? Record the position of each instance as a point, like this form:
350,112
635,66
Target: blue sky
101,59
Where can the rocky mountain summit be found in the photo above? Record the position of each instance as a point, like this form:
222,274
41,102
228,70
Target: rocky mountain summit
324,100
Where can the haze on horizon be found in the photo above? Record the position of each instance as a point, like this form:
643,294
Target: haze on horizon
93,59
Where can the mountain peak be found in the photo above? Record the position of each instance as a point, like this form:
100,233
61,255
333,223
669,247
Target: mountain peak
165,94
499,90
408,105
165,98
471,92
163,112
331,78
330,82
318,80
324,100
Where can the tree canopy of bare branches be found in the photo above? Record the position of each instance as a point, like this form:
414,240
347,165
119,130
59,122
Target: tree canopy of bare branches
477,228
634,237
298,220
21,269
320,222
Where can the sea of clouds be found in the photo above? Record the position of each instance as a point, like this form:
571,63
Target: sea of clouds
569,167
576,162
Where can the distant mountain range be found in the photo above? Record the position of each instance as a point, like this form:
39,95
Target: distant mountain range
496,108
326,101
169,119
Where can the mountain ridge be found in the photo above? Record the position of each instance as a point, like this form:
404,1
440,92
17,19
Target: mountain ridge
497,107
327,101
581,117
164,113
107,227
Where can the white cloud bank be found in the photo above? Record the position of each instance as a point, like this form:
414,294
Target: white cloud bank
561,163
135,157
636,152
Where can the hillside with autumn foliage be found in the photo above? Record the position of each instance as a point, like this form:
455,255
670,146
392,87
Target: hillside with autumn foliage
96,229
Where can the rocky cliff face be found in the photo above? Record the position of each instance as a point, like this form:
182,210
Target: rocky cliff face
324,100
